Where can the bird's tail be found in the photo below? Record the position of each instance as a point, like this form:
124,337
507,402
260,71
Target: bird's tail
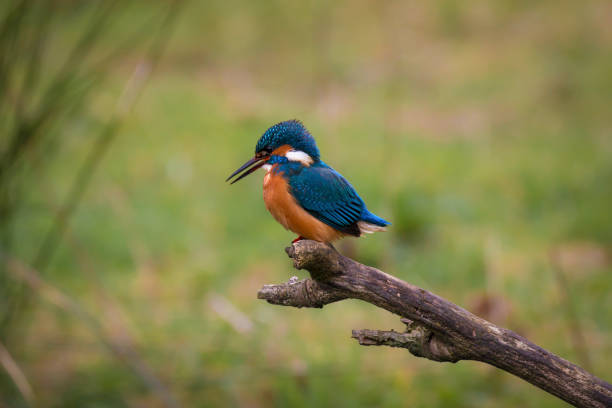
370,223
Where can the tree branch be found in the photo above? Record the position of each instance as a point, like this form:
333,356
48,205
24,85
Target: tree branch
436,328
418,339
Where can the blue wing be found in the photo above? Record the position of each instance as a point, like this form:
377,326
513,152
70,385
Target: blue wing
328,196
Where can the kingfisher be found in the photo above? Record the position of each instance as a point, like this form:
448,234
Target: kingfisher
304,194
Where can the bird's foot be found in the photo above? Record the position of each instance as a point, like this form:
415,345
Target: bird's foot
297,239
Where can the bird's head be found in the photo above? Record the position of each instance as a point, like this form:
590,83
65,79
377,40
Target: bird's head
289,140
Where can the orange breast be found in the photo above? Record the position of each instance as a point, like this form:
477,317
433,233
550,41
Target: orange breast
290,214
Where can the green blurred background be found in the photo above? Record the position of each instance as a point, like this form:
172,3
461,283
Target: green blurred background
481,130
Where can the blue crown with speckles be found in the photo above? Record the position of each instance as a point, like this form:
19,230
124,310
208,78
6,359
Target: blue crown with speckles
292,133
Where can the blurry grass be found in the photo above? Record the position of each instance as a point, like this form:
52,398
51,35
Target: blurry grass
482,132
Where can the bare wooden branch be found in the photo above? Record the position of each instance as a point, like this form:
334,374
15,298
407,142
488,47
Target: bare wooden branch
417,338
436,328
300,293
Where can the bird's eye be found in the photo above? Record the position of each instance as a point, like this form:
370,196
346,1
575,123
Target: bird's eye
264,152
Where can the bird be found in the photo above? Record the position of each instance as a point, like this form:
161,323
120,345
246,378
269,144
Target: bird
304,194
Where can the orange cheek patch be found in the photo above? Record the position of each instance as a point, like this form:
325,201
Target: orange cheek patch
281,150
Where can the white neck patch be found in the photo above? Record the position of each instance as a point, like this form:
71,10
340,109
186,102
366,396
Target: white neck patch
299,156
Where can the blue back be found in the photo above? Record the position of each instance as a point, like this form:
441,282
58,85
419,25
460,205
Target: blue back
325,194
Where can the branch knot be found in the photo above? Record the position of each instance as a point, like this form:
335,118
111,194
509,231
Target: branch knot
321,260
418,339
300,293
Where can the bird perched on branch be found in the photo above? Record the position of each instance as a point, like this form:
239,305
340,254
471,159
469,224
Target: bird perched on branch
303,193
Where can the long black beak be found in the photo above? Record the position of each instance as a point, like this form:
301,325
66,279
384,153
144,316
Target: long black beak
256,162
